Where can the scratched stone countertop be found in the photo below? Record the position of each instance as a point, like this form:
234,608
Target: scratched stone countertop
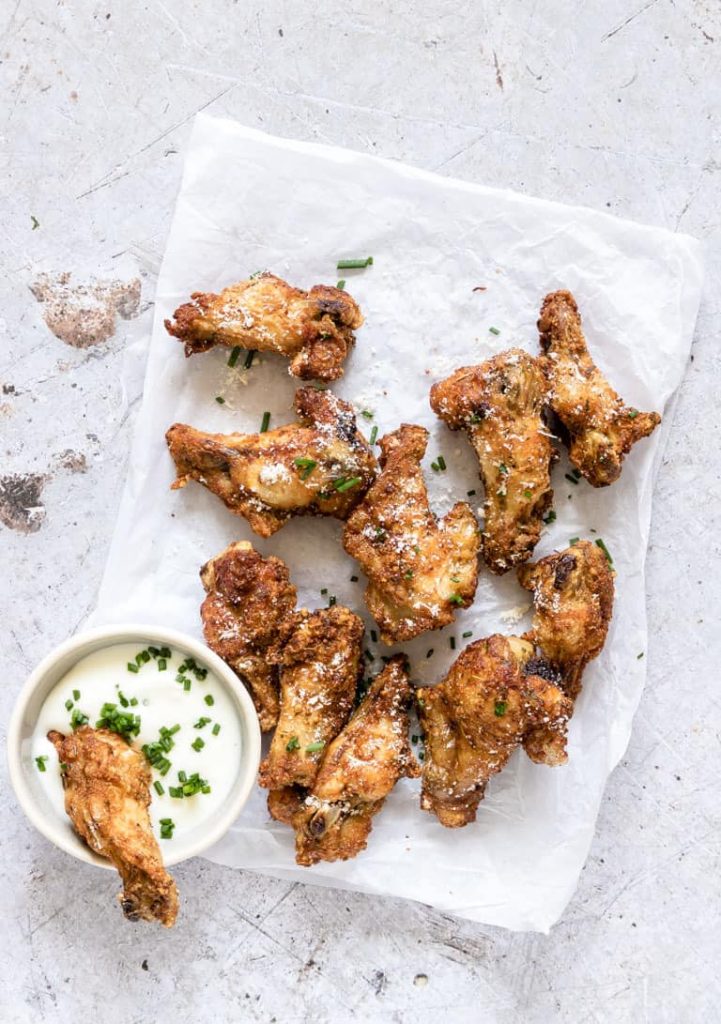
612,105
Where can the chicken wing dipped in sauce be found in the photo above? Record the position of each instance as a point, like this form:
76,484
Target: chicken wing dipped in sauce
500,406
313,329
573,603
421,570
321,465
601,428
107,795
249,598
359,769
319,654
485,708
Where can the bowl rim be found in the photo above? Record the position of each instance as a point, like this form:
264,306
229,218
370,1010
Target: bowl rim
114,634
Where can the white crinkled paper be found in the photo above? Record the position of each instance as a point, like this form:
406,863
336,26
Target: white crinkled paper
250,201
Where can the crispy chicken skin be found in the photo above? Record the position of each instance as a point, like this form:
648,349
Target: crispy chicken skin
248,600
321,465
313,329
319,655
573,603
473,721
420,569
500,405
601,428
358,771
107,795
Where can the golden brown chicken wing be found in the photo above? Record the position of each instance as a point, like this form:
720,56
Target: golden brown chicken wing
601,428
359,769
573,603
420,570
500,406
319,466
473,721
249,598
107,795
313,329
319,655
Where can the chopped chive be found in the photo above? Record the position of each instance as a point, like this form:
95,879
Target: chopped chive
341,285
220,400
500,708
502,468
346,484
166,828
331,600
528,494
144,656
40,762
233,359
369,655
307,465
313,748
78,718
209,699
176,792
452,642
455,599
367,414
198,744
354,264
158,787
155,651
216,729
132,667
599,543
468,632
186,684
571,479
133,702
638,656
165,652
550,518
374,636
354,579
374,435
202,722
324,591
249,359
435,467
265,423
162,664
123,700
494,330
470,493
292,744
632,414
176,728
182,777
76,694
68,705
429,652
441,462
576,473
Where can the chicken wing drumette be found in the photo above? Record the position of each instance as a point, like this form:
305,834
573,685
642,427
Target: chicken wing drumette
359,769
248,600
573,603
500,406
314,329
420,570
107,795
319,656
601,428
473,721
319,466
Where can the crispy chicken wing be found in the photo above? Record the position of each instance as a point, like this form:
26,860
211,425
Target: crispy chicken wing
107,795
313,329
358,771
500,406
573,603
319,466
601,428
473,721
420,570
319,655
248,600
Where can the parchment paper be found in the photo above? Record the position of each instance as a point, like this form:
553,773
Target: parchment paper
250,201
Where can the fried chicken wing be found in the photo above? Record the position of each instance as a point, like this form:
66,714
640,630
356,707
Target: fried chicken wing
573,603
107,795
321,465
314,329
473,721
601,428
500,406
420,570
319,655
248,600
359,769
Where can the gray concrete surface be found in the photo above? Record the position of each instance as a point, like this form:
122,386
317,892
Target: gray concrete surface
615,105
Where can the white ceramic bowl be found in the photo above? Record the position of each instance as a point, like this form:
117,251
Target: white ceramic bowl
27,782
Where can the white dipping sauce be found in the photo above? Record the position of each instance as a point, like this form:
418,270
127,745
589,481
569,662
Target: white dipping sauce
162,702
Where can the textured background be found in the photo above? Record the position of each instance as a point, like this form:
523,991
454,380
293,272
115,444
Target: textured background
614,105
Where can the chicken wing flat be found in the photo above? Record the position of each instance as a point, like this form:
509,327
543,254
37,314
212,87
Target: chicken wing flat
249,598
107,795
359,769
319,655
313,329
500,406
420,570
321,465
473,721
573,603
601,428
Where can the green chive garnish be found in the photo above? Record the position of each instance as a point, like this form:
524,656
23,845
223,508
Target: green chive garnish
470,493
550,518
132,667
40,762
468,632
441,462
76,694
306,464
632,414
367,414
574,540
500,708
249,359
494,330
220,400
265,423
452,642
162,664
341,285
571,479
354,264
158,787
233,359
292,744
599,543
639,656
68,705
435,467
186,684
165,652
429,653
455,599
374,435
216,729
198,744
313,748
345,485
